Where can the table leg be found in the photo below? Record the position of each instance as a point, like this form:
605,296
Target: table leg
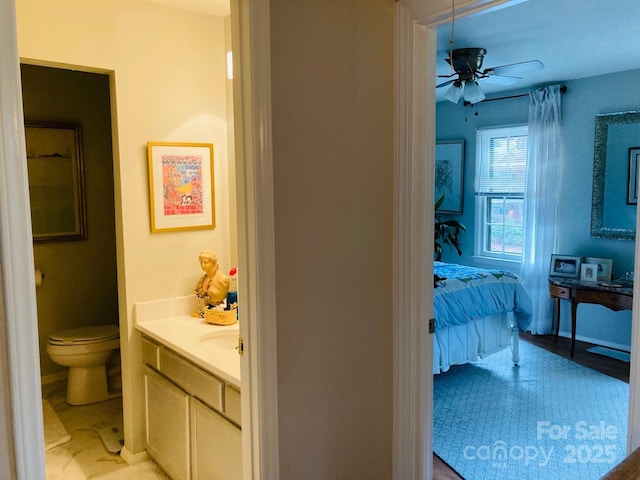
556,314
574,309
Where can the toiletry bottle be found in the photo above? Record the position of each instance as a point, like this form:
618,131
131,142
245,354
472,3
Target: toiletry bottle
232,296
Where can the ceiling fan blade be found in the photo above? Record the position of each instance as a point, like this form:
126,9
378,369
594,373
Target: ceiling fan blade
514,68
443,84
501,79
448,76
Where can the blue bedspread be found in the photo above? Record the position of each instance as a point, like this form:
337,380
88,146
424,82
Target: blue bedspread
468,293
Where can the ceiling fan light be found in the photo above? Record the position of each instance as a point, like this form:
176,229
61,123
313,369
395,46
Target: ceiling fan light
454,93
472,92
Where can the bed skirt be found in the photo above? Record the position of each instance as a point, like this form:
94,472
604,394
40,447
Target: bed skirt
459,344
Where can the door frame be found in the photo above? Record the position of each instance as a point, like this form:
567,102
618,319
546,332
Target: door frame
256,236
18,298
24,424
416,21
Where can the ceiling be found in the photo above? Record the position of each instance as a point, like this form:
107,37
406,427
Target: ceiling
573,38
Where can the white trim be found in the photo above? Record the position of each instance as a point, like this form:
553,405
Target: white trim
596,341
19,293
256,237
413,350
133,458
633,428
415,145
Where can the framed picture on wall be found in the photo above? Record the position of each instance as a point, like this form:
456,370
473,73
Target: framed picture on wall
56,181
565,266
181,193
632,181
604,266
449,175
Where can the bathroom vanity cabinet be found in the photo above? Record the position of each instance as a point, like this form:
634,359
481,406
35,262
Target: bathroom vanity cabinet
192,417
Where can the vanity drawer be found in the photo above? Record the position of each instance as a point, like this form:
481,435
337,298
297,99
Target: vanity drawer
193,379
559,292
150,351
232,404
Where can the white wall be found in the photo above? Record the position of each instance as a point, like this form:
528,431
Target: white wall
168,84
333,136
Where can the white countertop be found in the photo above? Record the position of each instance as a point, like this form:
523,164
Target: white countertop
184,334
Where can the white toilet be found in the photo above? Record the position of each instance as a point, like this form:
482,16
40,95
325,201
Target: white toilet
85,351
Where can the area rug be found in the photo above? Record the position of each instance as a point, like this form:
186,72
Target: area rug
610,352
54,432
549,418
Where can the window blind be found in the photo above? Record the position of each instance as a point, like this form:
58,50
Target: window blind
501,160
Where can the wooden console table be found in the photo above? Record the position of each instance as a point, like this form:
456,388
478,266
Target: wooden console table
614,298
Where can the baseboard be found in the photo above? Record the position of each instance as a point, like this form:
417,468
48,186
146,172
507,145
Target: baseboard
597,341
133,458
53,378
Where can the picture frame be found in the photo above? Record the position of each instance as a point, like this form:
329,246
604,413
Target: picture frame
56,181
449,175
181,186
589,272
632,179
604,265
567,266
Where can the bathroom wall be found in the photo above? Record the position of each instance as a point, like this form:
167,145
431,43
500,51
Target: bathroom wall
167,78
80,286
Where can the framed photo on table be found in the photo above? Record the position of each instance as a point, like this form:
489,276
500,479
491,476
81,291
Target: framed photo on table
181,186
449,175
567,266
604,265
589,272
632,180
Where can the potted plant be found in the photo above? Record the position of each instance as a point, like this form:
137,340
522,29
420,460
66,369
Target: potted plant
446,232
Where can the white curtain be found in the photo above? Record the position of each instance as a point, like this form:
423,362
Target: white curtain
541,200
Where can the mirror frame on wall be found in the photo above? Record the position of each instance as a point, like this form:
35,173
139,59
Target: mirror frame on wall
598,230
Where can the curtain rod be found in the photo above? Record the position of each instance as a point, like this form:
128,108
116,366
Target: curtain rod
563,89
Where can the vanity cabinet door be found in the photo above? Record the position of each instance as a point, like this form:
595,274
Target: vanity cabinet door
167,420
216,445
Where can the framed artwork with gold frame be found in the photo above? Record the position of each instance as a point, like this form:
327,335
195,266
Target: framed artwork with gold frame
181,186
56,181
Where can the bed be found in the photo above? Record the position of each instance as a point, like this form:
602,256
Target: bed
477,312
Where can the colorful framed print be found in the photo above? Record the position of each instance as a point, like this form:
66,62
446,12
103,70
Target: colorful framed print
181,186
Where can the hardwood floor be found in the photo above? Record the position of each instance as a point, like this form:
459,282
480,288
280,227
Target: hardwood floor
606,365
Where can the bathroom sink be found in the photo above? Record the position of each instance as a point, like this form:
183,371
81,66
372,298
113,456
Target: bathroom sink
220,349
221,340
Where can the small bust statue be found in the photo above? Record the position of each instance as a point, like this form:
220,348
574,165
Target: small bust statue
213,286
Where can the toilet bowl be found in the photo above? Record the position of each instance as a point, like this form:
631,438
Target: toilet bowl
85,351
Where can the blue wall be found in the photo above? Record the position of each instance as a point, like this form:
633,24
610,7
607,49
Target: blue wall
585,98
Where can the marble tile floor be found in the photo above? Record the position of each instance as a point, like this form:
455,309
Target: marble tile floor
85,457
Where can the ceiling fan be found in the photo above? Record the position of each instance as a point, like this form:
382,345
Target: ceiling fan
467,66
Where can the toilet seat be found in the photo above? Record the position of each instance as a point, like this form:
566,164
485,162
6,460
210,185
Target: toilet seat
85,335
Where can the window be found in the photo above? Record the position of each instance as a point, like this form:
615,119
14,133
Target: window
501,163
